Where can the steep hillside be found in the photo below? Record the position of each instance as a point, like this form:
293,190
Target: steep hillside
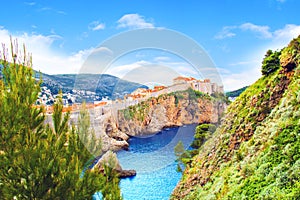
255,153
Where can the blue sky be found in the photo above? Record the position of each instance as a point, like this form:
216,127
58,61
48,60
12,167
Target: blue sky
235,33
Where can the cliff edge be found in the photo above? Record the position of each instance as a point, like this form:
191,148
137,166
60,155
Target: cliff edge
167,110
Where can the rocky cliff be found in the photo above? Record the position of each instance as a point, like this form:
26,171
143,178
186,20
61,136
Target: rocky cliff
254,154
154,114
174,109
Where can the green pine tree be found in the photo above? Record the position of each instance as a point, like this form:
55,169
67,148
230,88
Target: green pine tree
39,161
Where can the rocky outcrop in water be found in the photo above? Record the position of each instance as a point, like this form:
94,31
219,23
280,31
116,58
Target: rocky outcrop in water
110,159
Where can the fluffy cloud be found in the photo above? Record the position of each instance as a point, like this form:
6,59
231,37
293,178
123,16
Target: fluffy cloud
96,25
30,3
121,70
226,32
262,31
234,81
160,70
161,58
45,57
288,32
281,37
134,21
250,72
145,72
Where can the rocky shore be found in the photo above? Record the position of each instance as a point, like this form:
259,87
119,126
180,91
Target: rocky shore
110,159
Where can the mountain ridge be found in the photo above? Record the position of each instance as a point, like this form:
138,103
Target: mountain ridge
104,85
236,93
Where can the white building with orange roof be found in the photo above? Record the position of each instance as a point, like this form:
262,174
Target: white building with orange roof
205,86
183,80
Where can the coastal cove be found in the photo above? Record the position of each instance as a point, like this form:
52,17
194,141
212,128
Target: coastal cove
154,161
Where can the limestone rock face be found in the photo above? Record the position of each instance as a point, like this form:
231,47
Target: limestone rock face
110,159
106,128
167,111
150,116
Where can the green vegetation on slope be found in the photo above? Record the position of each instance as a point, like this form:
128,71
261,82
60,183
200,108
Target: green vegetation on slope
184,157
202,133
271,62
255,153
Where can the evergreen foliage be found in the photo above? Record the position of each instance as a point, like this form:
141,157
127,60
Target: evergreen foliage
271,62
184,157
38,161
202,133
179,151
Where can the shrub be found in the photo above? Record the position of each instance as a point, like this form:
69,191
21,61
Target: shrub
271,62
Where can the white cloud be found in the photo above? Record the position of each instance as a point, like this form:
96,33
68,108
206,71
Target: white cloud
263,31
30,3
61,12
244,63
182,68
96,25
152,73
103,50
282,36
252,67
146,72
121,70
233,81
162,70
161,58
134,21
49,9
226,32
187,71
288,32
45,57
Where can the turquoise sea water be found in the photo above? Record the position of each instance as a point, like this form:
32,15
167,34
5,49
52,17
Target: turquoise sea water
154,161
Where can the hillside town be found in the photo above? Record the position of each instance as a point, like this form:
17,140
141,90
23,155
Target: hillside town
46,98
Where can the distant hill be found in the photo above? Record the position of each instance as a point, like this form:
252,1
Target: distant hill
237,92
103,85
